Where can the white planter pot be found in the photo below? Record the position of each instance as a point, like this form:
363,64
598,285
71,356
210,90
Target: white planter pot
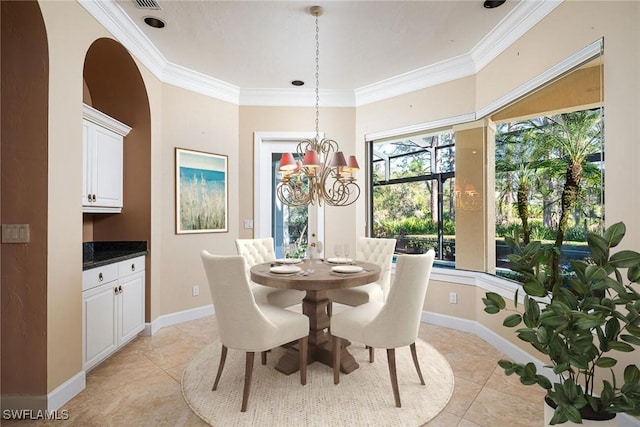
548,414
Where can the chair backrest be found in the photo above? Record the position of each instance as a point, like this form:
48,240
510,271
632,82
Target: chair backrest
256,251
398,322
380,252
240,322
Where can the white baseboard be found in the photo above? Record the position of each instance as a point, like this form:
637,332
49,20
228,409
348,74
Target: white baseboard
50,402
177,317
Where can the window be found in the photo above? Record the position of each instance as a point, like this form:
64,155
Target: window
540,163
412,197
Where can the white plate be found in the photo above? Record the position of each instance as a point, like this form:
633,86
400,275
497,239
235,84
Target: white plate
347,269
339,260
285,269
288,260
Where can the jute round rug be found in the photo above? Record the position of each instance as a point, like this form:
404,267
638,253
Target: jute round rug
363,398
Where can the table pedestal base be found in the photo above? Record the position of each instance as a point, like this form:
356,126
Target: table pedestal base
290,361
314,305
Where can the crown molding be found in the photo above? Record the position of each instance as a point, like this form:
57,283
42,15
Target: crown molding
513,26
520,20
412,81
185,78
113,19
118,23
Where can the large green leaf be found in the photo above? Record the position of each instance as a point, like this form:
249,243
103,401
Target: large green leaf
606,362
512,320
599,248
491,309
633,274
612,328
594,273
614,233
585,321
496,299
535,288
621,346
625,259
630,339
632,374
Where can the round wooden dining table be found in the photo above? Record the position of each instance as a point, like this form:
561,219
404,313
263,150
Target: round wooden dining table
316,278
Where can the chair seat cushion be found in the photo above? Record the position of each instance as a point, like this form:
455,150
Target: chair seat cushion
350,324
358,295
278,297
290,327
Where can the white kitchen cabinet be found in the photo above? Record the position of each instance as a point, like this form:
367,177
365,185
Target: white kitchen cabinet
112,308
102,164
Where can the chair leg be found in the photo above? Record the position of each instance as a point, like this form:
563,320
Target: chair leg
264,357
330,309
370,353
335,352
391,357
304,348
223,358
248,372
414,355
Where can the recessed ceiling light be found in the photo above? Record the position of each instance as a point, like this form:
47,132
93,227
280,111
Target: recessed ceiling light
490,4
297,83
154,22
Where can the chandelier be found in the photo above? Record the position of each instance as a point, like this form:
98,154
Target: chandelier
319,173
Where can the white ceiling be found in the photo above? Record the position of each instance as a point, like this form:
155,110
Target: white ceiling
245,51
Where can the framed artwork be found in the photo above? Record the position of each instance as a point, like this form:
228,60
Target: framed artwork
201,192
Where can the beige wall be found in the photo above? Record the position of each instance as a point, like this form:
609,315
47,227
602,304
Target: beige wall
184,119
67,49
200,123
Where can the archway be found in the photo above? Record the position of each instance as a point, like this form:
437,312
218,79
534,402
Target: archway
114,85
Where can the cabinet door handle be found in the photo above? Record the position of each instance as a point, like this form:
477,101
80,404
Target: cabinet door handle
120,289
93,197
100,277
133,267
115,290
89,197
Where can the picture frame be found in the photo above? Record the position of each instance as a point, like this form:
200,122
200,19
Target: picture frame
202,189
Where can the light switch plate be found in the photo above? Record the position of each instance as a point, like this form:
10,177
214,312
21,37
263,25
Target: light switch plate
15,233
248,223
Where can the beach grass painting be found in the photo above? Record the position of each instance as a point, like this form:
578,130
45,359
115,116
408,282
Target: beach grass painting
201,192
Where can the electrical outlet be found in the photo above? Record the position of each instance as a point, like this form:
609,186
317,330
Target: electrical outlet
453,298
195,291
248,223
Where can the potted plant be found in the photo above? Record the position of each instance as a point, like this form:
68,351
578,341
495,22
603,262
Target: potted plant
579,324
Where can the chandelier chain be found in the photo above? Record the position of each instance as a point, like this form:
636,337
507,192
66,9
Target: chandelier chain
323,175
317,80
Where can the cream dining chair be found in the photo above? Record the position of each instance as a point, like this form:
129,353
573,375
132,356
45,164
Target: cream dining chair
388,325
374,250
247,326
258,251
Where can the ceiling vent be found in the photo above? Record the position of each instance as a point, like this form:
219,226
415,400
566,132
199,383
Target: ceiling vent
147,4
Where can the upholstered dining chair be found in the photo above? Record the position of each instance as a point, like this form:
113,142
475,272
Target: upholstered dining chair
245,325
258,251
374,250
391,324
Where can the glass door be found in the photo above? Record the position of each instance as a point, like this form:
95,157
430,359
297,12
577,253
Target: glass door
299,226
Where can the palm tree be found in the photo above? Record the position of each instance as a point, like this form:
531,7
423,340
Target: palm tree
574,136
517,167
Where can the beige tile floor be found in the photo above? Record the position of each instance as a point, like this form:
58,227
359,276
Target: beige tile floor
140,385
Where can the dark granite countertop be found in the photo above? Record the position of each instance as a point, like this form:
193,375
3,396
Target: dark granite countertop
97,254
